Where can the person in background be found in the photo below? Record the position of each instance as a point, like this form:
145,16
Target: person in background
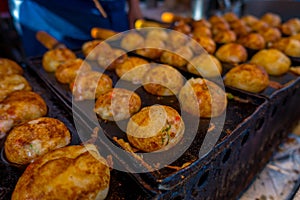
68,21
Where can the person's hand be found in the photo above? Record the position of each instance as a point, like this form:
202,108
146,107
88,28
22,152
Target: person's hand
134,12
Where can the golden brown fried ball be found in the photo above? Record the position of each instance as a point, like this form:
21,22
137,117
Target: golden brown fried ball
273,60
176,40
19,107
289,46
53,58
163,80
296,36
8,67
133,69
201,22
220,27
179,58
274,20
201,31
205,65
230,17
270,34
225,36
253,41
92,49
30,140
110,59
157,33
241,30
232,53
202,98
216,19
67,71
155,128
117,104
90,85
11,83
154,48
73,172
248,77
182,27
131,41
117,57
207,43
291,27
250,20
259,26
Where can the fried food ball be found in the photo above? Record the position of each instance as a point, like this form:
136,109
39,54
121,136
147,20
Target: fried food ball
133,69
201,22
19,107
273,60
90,85
205,65
203,98
220,27
182,27
289,46
249,19
274,20
179,58
35,138
176,40
259,26
117,104
225,36
232,53
296,36
131,41
216,19
92,49
8,67
248,77
157,33
163,80
253,41
155,128
291,27
201,31
153,50
67,71
53,58
111,59
270,34
11,83
240,27
207,43
230,17
72,172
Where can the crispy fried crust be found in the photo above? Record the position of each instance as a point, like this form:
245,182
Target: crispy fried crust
73,172
248,77
8,66
117,104
67,71
274,61
232,53
163,80
205,95
11,83
19,107
53,58
35,138
155,128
